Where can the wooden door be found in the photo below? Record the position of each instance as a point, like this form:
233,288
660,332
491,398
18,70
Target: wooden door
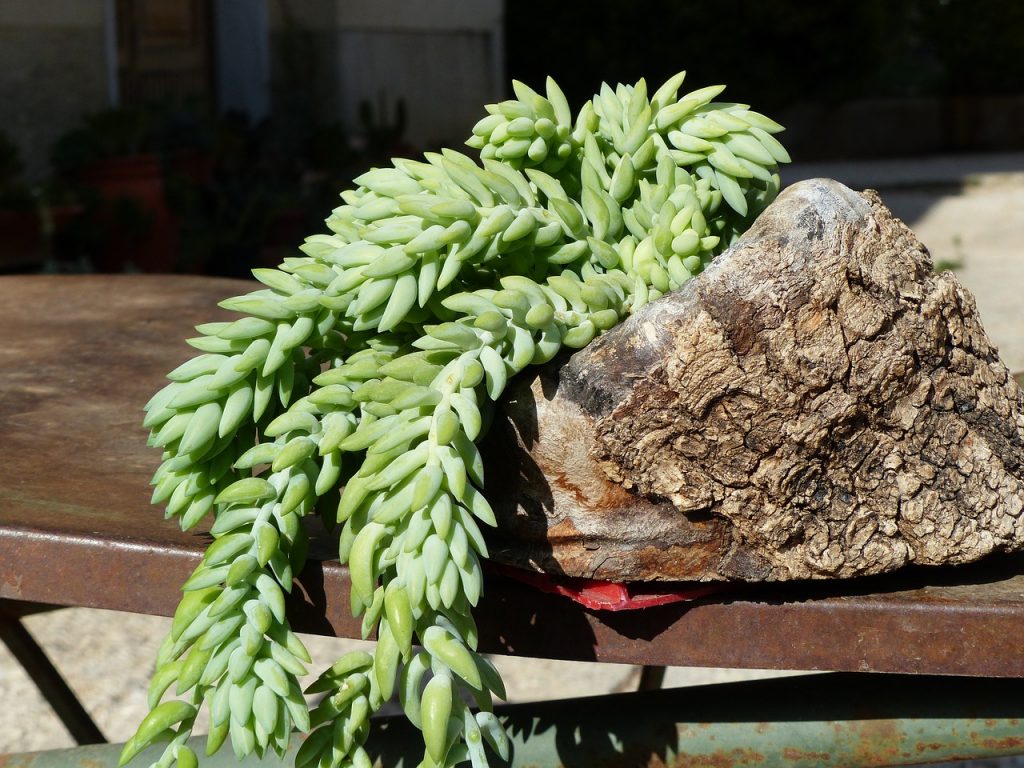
164,51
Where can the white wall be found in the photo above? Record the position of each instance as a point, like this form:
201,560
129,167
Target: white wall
53,70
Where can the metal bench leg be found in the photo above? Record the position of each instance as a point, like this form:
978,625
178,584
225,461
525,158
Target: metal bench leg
48,680
651,678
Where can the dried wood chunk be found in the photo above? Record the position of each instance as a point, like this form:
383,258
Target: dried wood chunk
817,404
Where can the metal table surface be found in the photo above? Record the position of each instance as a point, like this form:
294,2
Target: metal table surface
82,354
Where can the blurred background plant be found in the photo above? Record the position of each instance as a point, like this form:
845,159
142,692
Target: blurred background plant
14,193
30,215
19,221
851,79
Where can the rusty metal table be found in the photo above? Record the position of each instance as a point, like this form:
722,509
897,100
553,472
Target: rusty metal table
81,355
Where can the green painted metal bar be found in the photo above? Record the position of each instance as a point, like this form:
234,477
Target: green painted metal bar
838,720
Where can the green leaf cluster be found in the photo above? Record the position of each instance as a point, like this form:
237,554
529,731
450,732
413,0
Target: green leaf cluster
357,382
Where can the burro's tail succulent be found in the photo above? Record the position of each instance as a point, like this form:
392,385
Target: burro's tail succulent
356,383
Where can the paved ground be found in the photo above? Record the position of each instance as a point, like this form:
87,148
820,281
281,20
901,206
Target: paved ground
968,211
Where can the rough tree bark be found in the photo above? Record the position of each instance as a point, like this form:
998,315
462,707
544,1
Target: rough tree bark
817,404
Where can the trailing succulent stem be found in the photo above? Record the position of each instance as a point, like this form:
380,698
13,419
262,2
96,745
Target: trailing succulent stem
371,364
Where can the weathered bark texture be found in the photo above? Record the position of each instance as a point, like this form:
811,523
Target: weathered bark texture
817,404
